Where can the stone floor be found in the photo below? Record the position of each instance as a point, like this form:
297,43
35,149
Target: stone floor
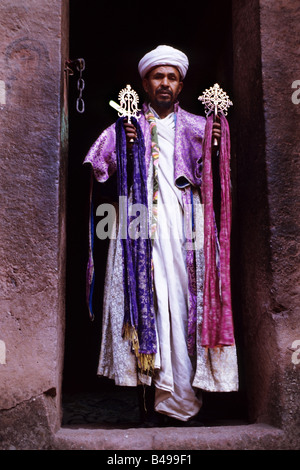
117,407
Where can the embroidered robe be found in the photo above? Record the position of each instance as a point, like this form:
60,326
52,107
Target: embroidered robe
213,370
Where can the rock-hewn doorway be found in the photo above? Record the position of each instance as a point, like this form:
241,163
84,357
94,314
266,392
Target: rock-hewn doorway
111,57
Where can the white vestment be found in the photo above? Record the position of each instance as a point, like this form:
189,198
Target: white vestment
175,395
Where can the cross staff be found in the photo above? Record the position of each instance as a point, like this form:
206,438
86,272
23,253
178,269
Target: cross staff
215,100
128,106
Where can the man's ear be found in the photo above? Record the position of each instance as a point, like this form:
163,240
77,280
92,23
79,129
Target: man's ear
180,88
145,84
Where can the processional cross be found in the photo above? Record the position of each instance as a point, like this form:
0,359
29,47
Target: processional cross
215,100
128,106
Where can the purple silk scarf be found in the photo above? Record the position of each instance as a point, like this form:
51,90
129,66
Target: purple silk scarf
217,327
139,317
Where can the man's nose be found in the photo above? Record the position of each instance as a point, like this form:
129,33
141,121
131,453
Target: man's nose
165,82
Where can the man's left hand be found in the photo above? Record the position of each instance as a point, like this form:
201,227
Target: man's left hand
216,129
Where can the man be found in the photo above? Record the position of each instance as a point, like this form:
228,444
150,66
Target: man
173,140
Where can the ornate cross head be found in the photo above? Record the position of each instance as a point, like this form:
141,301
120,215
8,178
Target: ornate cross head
128,103
215,100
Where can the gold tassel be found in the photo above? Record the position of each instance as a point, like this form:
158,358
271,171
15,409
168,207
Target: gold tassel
130,334
145,361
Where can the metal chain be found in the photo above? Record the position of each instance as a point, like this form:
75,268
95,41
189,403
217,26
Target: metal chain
80,106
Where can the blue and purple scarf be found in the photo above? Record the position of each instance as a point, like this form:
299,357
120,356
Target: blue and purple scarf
139,316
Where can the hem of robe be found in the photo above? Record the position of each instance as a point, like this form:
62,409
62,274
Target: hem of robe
168,403
202,385
217,371
164,403
128,382
216,389
119,381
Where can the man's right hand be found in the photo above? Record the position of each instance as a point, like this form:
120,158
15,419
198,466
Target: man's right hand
131,134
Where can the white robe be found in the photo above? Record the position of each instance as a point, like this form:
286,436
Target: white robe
175,395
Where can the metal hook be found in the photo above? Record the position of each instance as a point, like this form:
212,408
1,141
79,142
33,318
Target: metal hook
70,65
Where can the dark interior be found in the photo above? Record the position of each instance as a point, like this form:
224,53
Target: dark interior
112,38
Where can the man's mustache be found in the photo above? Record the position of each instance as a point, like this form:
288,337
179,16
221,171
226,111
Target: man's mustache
164,90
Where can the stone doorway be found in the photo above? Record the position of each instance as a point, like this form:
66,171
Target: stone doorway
34,142
111,62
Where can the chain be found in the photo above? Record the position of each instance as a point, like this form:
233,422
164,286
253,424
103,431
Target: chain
80,106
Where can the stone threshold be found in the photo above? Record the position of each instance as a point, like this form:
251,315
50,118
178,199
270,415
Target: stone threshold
232,437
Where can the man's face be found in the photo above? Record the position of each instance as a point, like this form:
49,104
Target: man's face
163,85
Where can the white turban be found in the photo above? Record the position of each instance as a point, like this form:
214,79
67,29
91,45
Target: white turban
164,55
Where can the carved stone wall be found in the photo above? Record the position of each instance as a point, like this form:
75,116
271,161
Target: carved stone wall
266,66
33,142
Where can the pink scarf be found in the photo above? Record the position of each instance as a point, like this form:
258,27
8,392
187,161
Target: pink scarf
217,327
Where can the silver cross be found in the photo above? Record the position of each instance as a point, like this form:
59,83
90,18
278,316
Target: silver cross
128,103
215,100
